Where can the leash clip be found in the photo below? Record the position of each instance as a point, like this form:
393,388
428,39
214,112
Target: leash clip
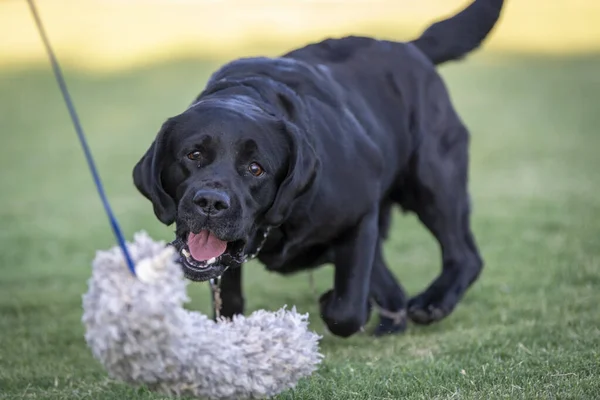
215,287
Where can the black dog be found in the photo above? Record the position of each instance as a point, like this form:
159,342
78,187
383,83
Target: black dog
301,158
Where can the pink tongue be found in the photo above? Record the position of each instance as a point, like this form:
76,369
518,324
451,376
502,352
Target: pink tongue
205,245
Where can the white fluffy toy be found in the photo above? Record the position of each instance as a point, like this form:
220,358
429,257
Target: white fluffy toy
137,328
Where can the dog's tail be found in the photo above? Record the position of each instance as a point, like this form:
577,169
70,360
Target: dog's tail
453,38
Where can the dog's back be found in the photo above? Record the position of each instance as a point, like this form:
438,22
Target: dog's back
382,83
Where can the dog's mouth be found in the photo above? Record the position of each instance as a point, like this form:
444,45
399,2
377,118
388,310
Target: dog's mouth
204,256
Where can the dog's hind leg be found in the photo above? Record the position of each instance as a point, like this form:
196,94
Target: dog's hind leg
385,291
389,298
436,189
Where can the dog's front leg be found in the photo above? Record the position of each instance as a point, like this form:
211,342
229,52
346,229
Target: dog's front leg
345,309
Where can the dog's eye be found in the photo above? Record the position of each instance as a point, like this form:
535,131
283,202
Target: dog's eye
194,155
255,169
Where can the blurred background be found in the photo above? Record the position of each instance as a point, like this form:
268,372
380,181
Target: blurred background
530,96
114,34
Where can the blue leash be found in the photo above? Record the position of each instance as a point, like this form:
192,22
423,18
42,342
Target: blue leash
88,155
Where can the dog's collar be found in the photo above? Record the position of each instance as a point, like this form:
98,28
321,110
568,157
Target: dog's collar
254,254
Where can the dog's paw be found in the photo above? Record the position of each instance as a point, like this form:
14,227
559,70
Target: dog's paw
342,317
426,308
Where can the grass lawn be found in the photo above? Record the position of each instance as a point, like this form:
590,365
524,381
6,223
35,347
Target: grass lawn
529,328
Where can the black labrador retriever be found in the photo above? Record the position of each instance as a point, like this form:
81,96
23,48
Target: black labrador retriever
299,159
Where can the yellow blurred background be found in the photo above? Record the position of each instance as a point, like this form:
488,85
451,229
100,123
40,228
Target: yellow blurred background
115,34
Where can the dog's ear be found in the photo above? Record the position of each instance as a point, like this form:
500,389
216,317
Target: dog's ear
302,170
147,177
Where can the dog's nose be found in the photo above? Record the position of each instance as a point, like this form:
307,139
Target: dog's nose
212,202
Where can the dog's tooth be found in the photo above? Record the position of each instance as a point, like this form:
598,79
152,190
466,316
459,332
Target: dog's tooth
212,260
185,253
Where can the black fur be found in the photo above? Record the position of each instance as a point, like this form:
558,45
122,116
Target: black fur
345,129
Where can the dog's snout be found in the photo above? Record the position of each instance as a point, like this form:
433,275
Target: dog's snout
212,202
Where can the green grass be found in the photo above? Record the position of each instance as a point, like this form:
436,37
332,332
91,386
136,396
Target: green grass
529,328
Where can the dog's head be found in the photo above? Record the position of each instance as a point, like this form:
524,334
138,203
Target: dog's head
223,171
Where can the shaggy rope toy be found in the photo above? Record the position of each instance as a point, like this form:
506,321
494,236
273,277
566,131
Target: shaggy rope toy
139,331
